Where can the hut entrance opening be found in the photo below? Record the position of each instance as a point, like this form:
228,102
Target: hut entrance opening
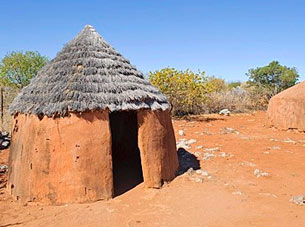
126,161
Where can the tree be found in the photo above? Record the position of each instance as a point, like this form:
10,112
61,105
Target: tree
273,78
186,90
17,68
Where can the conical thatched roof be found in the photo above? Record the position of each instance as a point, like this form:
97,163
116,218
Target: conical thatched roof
88,74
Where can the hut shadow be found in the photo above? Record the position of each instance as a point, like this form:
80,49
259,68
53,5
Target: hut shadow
186,161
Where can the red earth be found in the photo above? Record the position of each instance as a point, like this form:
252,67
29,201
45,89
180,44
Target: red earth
225,193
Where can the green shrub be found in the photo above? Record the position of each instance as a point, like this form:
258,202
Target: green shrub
186,90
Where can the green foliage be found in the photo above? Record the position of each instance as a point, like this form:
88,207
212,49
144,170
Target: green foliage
17,68
273,78
186,90
234,84
216,84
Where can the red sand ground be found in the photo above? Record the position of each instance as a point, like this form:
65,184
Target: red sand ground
233,196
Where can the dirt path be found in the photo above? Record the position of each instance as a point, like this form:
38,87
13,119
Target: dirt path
225,192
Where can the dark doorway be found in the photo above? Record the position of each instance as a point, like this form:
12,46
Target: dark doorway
126,161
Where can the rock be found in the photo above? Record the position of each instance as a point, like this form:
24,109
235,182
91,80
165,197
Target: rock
197,154
229,131
207,156
190,171
4,140
181,132
212,149
198,180
299,200
199,147
258,173
245,163
289,141
202,172
275,140
224,155
237,193
4,134
275,148
225,112
5,144
182,144
3,168
191,141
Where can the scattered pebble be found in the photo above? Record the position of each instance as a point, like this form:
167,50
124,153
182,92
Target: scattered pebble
191,141
225,112
237,193
229,131
298,199
202,172
275,140
212,149
199,147
181,132
287,140
197,154
245,163
258,173
275,148
207,156
190,171
3,168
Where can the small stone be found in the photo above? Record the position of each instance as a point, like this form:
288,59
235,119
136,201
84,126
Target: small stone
289,141
3,167
225,112
256,172
229,131
190,171
207,156
264,174
181,132
275,148
212,149
237,193
245,163
197,154
4,134
5,143
275,140
202,172
191,141
299,200
199,147
198,180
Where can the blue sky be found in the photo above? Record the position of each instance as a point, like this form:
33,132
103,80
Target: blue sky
222,37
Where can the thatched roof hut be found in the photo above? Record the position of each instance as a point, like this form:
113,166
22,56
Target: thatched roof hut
88,127
286,110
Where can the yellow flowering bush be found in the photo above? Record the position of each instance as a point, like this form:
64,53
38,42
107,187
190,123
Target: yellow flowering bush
186,90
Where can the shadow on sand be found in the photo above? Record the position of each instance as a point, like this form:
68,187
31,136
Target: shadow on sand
186,161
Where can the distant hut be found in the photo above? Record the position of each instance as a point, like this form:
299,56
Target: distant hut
286,110
89,127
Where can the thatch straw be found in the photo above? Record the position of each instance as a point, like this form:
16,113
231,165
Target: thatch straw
87,75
